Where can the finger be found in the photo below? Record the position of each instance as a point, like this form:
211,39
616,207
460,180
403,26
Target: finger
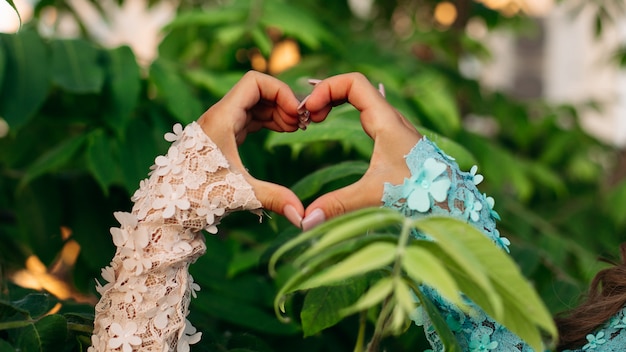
278,199
265,88
341,201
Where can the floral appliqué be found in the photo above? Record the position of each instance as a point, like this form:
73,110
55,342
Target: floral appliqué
594,341
124,337
484,344
425,184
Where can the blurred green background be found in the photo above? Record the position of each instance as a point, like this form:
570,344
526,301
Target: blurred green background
83,117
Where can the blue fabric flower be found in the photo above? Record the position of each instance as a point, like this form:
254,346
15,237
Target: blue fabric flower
484,344
424,184
472,207
476,178
594,340
502,241
617,322
491,203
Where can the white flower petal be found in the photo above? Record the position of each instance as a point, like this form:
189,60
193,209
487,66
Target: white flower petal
419,200
439,189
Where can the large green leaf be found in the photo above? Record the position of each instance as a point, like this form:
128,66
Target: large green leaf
47,334
323,306
522,310
54,159
176,93
3,63
439,323
313,182
75,66
123,86
27,77
101,160
217,83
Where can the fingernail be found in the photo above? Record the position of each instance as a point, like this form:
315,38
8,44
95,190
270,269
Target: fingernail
301,109
381,89
314,82
292,215
315,218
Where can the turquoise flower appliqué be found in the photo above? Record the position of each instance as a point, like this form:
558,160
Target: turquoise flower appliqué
594,341
425,184
482,345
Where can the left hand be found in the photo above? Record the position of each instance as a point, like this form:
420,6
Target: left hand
256,101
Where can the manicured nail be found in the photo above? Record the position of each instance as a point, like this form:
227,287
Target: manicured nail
381,89
301,109
314,82
292,215
315,218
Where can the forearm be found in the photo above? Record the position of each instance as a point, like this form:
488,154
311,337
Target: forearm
145,300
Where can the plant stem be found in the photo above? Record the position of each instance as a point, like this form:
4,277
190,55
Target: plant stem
361,336
389,303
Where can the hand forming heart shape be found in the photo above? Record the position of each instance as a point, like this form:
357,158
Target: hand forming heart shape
259,100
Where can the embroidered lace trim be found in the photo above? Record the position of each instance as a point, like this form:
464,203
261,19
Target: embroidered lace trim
145,299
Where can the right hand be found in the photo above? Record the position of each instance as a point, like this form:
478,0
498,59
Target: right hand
393,137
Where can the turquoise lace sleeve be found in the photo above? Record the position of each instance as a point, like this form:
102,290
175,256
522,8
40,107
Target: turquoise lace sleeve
438,187
609,338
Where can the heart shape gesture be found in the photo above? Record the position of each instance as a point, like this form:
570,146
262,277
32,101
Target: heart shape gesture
261,101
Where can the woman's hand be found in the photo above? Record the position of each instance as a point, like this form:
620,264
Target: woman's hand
393,138
256,101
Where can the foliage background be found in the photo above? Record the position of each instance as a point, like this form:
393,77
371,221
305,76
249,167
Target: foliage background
86,123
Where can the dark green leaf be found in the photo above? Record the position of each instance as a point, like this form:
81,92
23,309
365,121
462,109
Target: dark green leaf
101,160
47,334
124,86
53,159
436,102
37,304
179,99
322,306
241,313
75,66
292,20
313,183
217,83
215,16
138,154
27,77
3,64
5,346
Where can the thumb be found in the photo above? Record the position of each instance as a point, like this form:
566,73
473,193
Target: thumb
343,200
278,199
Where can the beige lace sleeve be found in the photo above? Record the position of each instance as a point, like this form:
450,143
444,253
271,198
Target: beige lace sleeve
145,300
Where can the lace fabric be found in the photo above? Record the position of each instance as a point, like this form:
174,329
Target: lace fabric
438,187
145,299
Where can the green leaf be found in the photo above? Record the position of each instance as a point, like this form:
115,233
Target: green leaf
343,126
403,296
313,183
3,64
176,93
291,20
241,313
323,306
347,230
75,66
375,295
53,159
138,155
101,162
369,258
216,16
452,236
123,86
319,231
47,334
423,267
6,347
36,304
442,328
436,102
27,77
522,311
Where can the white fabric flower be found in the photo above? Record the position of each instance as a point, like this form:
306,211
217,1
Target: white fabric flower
142,191
178,131
124,337
169,164
189,337
163,310
193,287
173,197
135,261
108,274
134,292
210,209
